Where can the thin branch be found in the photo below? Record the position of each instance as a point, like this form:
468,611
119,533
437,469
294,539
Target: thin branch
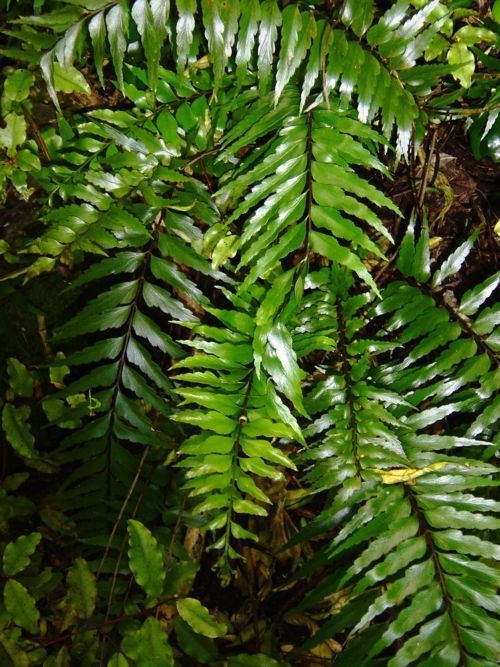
346,372
40,141
426,171
122,509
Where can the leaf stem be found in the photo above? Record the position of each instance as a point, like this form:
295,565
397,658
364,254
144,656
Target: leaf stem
236,449
346,372
426,531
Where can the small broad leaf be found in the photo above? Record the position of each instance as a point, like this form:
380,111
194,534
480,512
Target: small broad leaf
167,125
199,618
82,589
153,649
21,606
28,161
17,554
13,134
16,427
17,85
461,56
226,248
202,649
146,559
20,378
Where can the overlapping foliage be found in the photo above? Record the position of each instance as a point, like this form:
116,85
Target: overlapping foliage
251,399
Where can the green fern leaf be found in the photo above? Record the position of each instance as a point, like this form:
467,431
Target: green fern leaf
117,27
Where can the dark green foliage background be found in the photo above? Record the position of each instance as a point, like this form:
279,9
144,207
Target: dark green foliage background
249,333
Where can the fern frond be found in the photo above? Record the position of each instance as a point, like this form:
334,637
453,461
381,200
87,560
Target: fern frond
126,393
240,420
425,317
211,191
109,172
404,511
312,151
364,58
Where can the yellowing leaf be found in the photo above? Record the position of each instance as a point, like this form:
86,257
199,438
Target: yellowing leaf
435,241
399,475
